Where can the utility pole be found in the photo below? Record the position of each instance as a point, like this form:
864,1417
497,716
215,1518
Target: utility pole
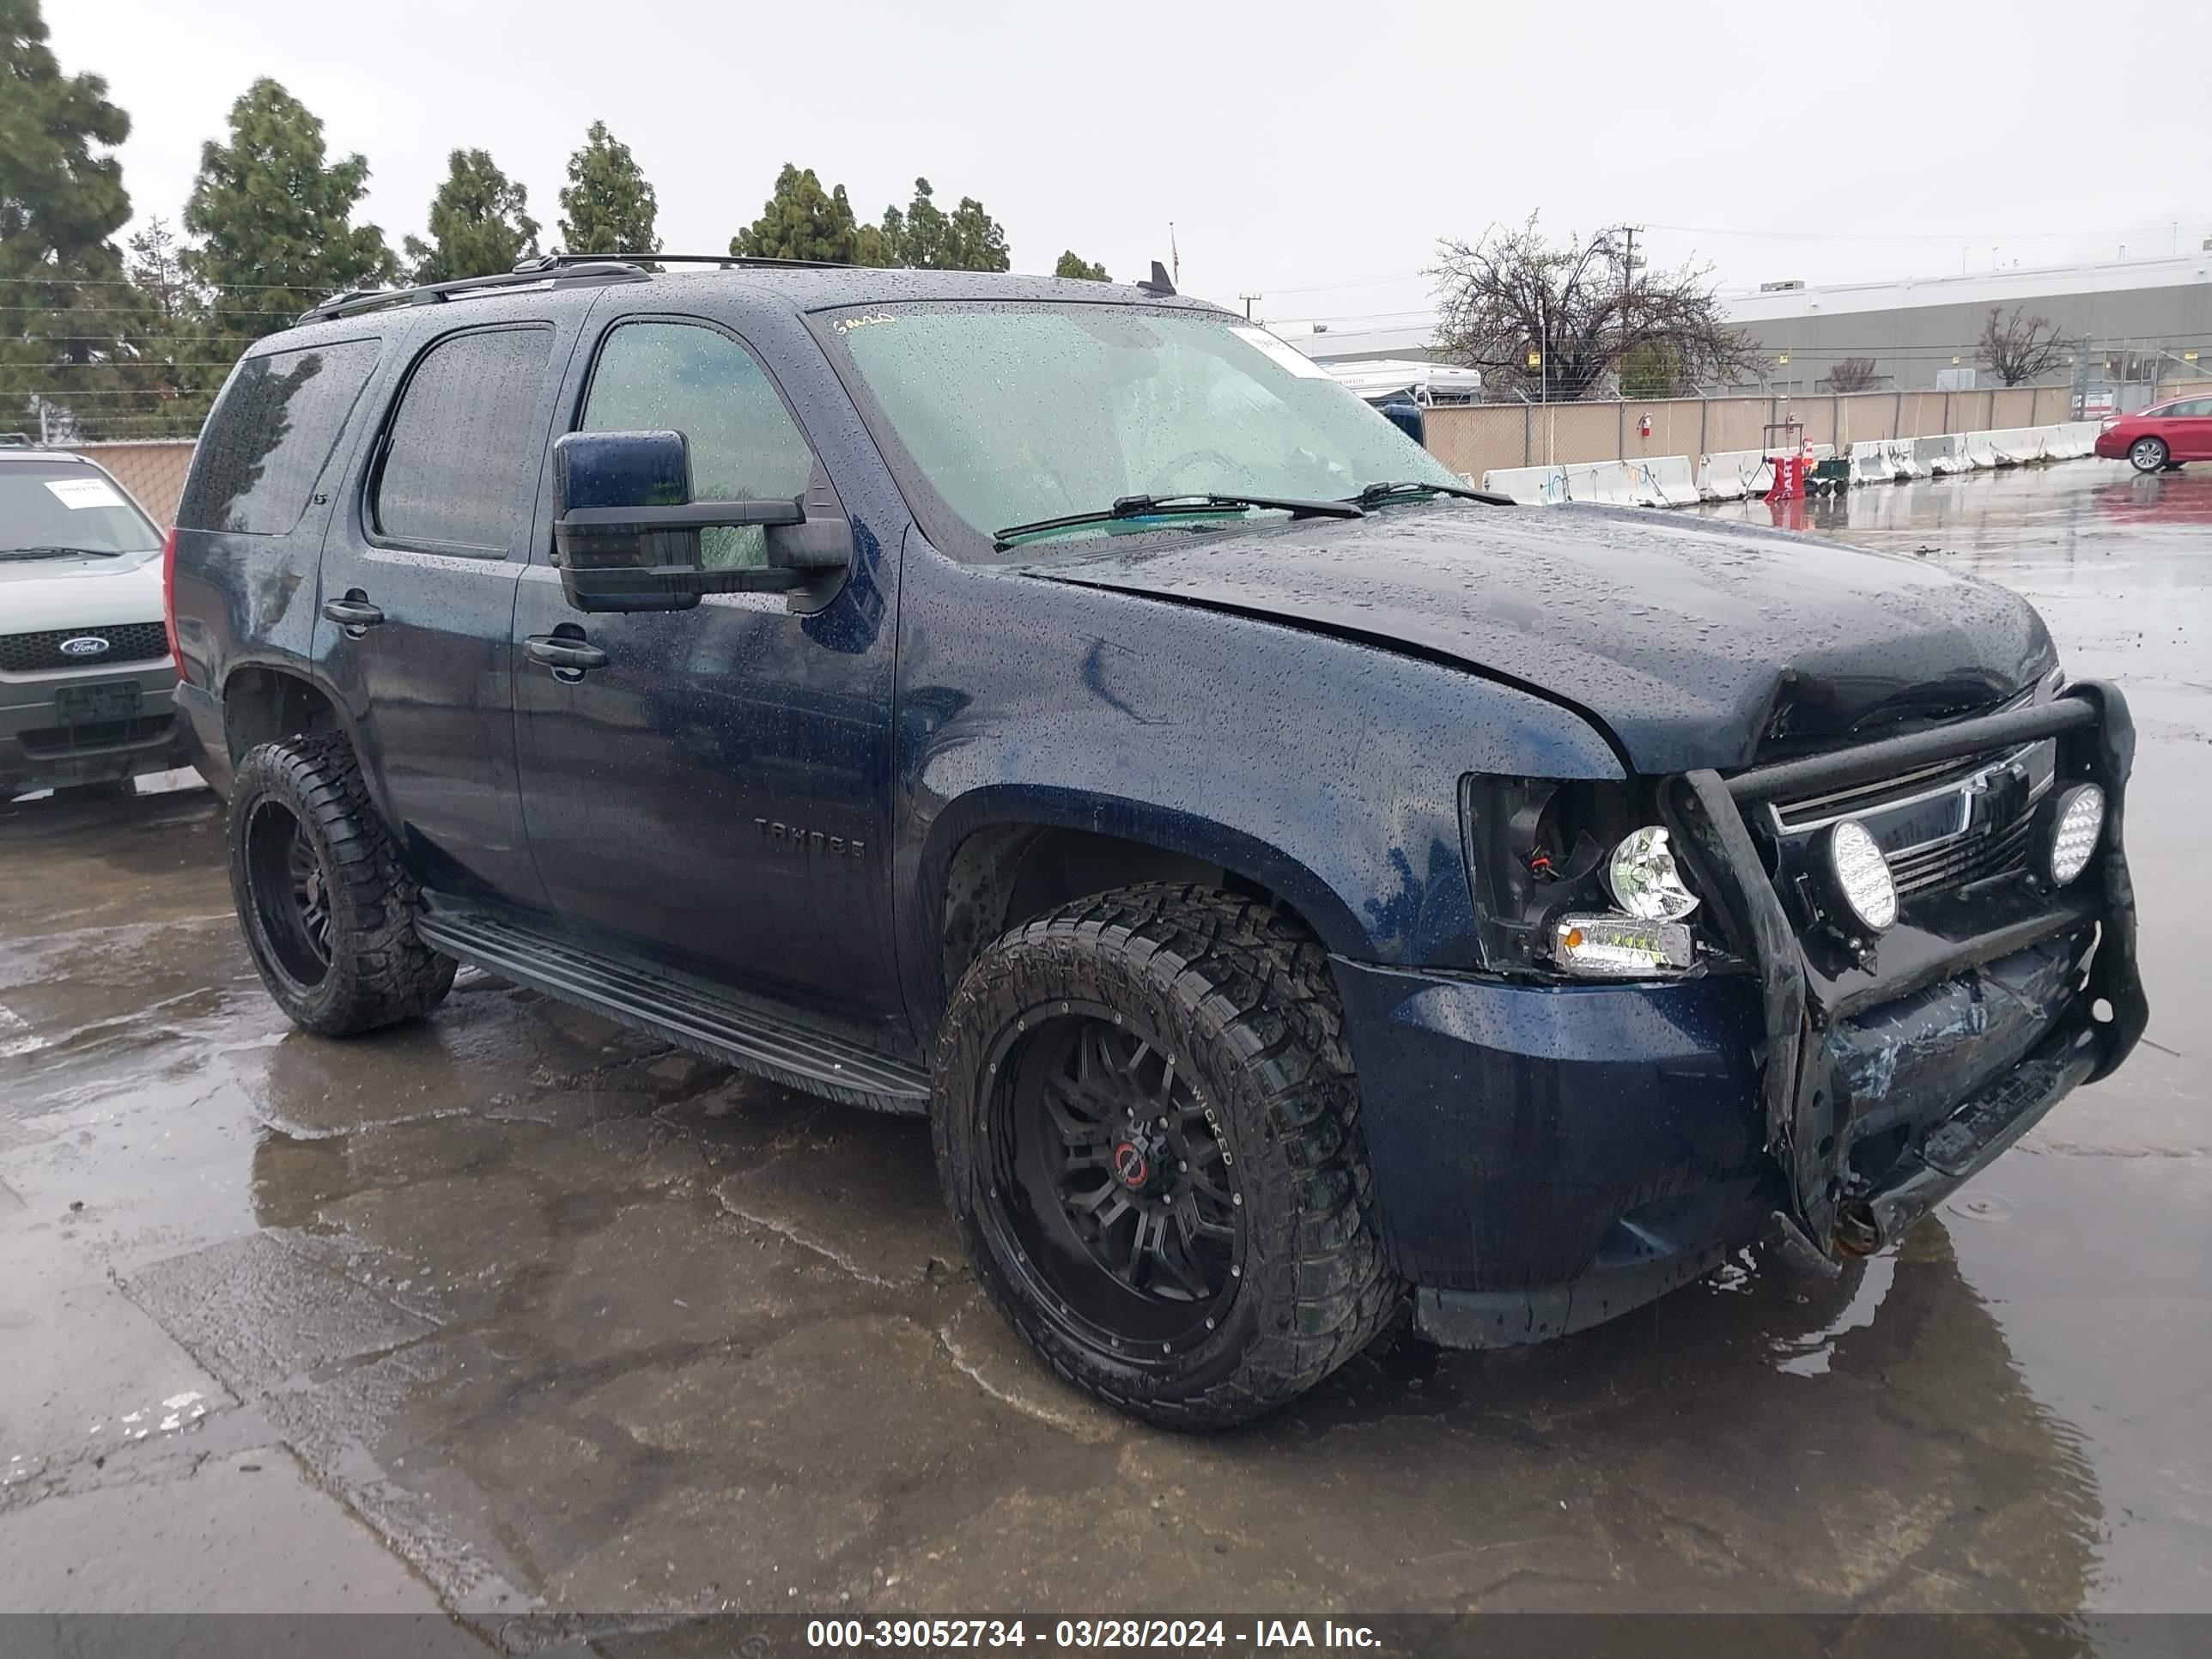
1248,299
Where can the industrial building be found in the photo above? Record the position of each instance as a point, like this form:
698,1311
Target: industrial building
2131,324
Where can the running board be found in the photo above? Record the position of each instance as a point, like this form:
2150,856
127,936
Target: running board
747,1032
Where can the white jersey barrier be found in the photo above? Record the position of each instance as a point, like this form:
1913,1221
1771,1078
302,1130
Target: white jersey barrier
1733,474
1884,460
2075,440
1613,484
1531,486
1937,457
1671,480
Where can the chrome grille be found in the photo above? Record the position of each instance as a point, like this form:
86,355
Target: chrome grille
1942,826
1956,864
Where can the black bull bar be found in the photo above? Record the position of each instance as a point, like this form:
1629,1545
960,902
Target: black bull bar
2097,744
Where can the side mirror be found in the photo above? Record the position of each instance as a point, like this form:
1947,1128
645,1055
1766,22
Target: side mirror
628,535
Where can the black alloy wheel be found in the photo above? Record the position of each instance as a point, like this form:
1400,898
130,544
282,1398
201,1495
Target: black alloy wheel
327,909
1122,1210
1147,1126
289,894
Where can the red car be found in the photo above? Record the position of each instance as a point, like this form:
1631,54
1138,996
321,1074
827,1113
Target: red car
2161,437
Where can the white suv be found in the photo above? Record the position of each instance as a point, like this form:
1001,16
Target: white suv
86,673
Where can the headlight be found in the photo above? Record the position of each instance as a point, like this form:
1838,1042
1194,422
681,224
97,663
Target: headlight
1642,878
1619,947
1858,876
2071,825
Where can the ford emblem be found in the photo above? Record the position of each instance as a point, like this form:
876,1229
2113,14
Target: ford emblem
84,645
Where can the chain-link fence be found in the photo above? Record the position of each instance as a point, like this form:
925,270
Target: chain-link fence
1474,439
152,469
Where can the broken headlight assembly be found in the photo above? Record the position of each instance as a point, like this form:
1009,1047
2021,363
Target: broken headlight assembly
1576,878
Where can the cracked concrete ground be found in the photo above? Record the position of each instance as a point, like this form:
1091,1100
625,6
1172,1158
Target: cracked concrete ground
513,1310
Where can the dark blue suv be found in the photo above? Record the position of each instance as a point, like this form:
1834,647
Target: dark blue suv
1297,886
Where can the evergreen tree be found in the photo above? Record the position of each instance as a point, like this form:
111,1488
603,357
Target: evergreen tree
800,221
974,241
926,238
608,207
276,222
480,223
64,305
176,370
1072,264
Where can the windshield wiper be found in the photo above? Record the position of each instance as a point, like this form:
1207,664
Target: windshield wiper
1376,493
1146,506
60,553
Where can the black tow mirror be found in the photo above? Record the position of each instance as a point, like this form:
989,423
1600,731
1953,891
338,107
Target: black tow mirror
628,536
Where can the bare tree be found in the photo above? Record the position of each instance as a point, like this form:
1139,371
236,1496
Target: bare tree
1852,374
2020,348
1554,321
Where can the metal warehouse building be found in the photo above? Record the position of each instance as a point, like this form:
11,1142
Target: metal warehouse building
2141,322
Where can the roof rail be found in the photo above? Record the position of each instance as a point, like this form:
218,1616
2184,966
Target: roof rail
554,261
560,273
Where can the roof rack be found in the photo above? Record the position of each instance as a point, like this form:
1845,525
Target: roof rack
556,261
562,271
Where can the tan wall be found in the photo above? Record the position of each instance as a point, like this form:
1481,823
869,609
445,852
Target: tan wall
1476,438
153,472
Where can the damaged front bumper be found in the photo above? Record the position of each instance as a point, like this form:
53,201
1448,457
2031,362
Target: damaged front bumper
1549,1156
1994,1003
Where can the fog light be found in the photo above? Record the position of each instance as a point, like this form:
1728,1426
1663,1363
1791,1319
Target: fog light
1620,947
1643,881
2072,824
1858,878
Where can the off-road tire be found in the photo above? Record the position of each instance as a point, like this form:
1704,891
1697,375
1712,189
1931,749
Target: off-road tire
1244,994
380,973
2149,455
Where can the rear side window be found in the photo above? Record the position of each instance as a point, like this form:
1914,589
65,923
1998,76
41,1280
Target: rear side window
460,460
270,436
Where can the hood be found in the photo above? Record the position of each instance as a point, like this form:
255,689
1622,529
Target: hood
1692,643
37,595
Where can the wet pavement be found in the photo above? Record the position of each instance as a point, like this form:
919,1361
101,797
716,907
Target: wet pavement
514,1310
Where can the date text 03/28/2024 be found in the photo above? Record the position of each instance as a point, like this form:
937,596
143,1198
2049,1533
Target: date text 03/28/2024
1153,1633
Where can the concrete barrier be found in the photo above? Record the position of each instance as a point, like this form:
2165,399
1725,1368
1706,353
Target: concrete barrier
1669,480
1732,474
2019,446
1531,486
1883,460
1978,450
1937,457
1612,483
2075,440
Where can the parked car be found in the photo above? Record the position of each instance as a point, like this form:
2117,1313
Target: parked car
2164,436
1294,884
85,666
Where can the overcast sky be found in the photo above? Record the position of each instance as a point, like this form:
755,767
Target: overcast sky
1311,154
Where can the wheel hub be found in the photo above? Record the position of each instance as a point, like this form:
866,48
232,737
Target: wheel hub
1144,1161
